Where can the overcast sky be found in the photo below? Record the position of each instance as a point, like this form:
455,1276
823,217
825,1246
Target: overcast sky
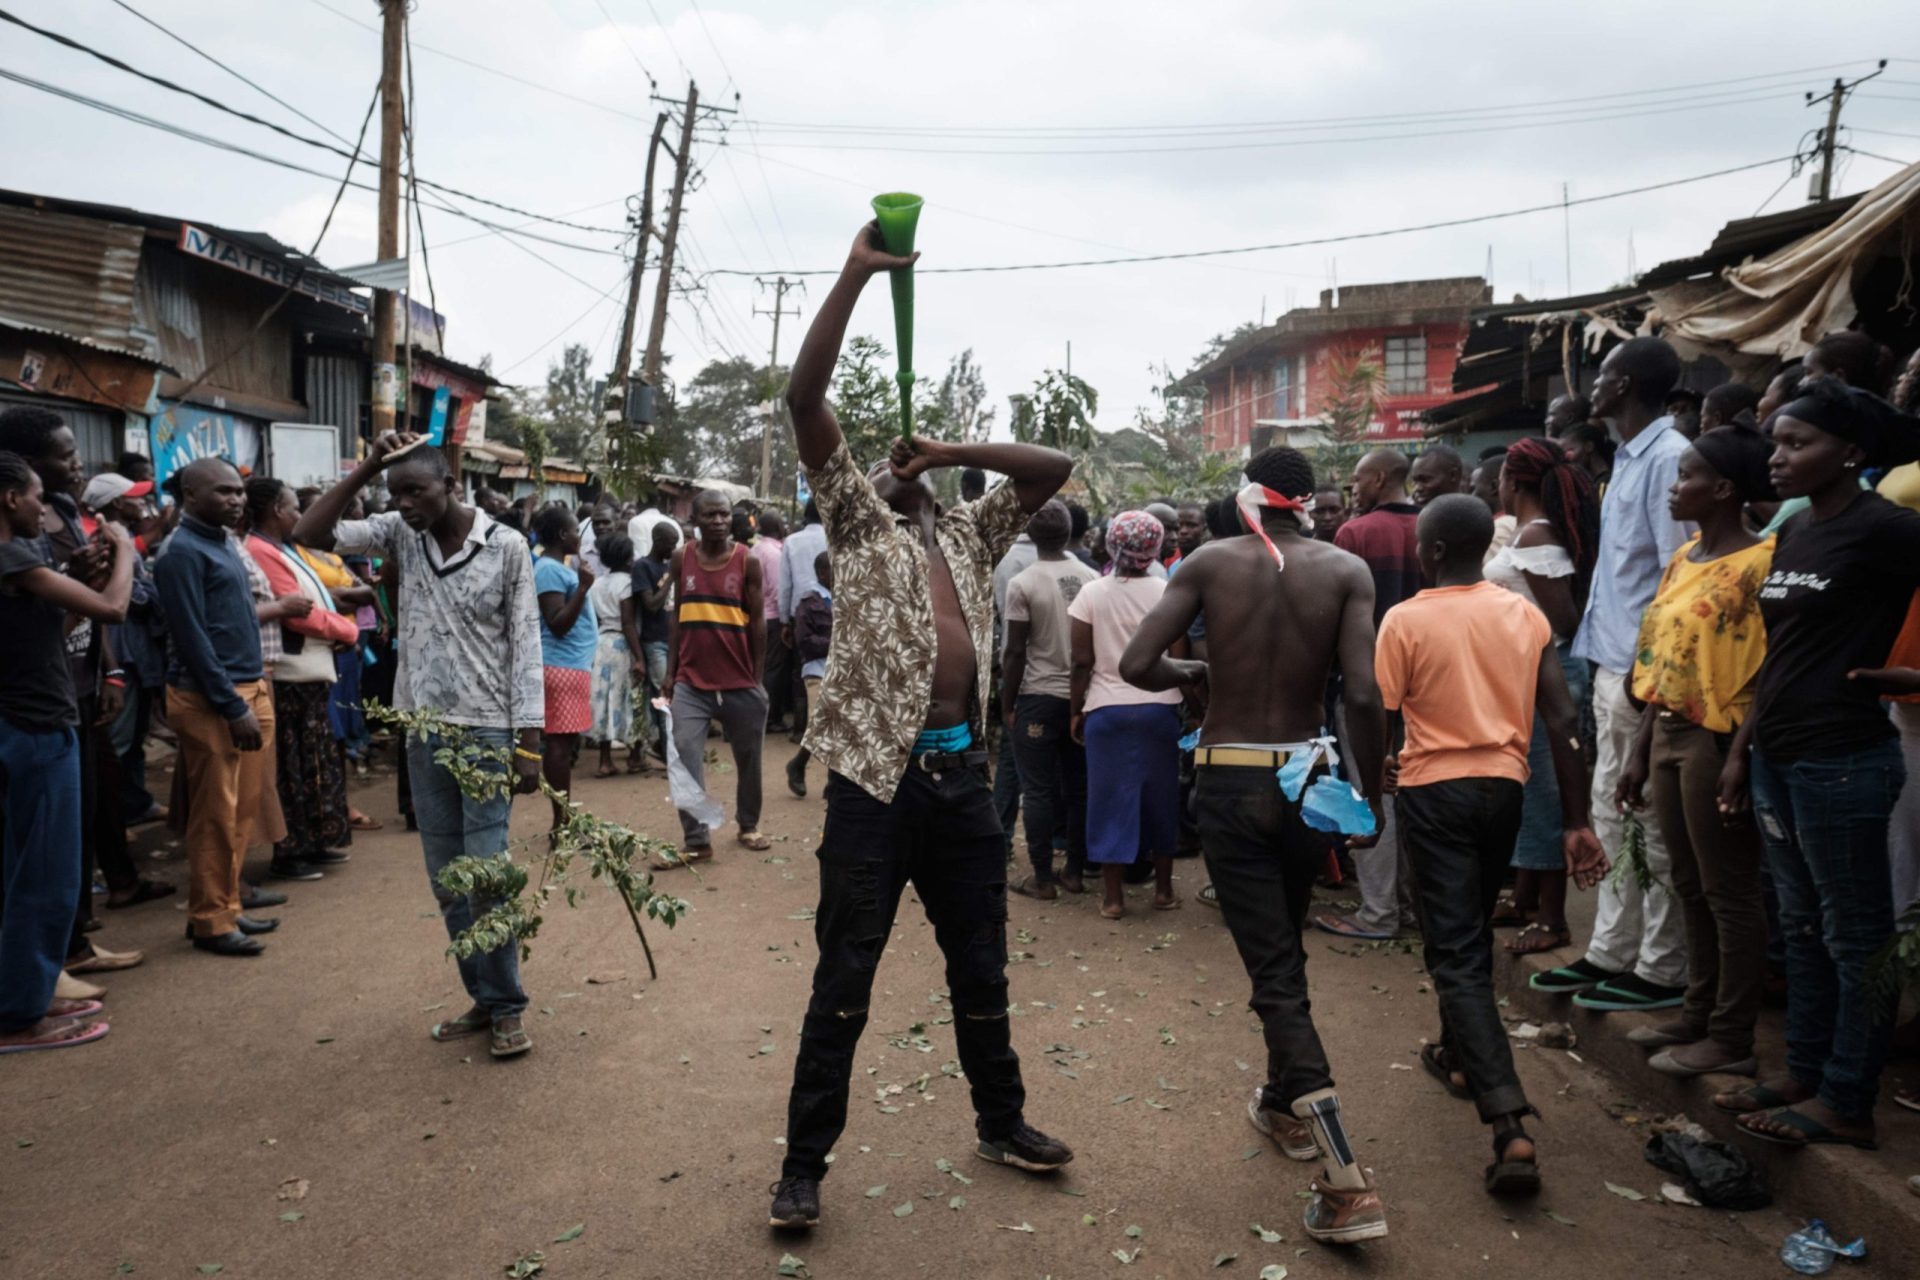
1215,124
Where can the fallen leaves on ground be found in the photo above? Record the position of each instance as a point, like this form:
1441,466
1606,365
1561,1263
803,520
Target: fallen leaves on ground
1222,1259
571,1234
792,1267
526,1265
1273,1271
292,1189
1625,1193
1271,1237
903,1210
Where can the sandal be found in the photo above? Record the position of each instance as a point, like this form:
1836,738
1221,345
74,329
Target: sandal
755,840
56,1035
1346,927
1433,1058
1166,904
1908,1098
1536,938
1755,1097
1209,896
510,1039
605,771
1113,913
1505,914
63,1009
1512,1177
143,891
1030,887
364,822
1810,1132
472,1022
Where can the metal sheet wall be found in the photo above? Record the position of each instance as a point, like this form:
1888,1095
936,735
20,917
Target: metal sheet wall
96,431
336,392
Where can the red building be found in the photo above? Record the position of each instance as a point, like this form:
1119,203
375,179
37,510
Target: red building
1272,385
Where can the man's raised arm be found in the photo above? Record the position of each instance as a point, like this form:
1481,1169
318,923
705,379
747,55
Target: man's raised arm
816,432
315,526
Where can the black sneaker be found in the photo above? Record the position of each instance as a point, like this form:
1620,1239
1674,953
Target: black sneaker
796,1204
326,858
292,869
797,778
1026,1148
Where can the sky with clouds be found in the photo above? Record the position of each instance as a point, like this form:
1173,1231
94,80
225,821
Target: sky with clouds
1038,131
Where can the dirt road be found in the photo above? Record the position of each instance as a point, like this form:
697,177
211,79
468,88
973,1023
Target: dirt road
650,1113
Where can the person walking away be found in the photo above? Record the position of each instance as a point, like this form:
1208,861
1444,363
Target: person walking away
1131,736
40,766
714,639
1826,767
1006,769
812,643
1701,644
219,702
1637,957
569,633
652,589
803,547
1036,686
768,547
1281,607
1383,536
310,762
468,652
898,724
1467,663
1549,563
618,660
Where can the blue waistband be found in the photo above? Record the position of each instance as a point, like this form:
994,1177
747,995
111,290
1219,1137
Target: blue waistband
943,742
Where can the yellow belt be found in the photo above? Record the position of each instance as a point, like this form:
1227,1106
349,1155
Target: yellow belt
1245,757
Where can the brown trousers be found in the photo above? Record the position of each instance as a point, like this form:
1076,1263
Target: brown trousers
1716,876
226,788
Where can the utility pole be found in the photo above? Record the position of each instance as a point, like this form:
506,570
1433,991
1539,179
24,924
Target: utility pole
386,388
682,168
780,286
1835,98
614,403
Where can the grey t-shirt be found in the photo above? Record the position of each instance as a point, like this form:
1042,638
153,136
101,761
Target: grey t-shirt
1038,596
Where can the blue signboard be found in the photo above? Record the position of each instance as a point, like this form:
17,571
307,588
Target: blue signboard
437,423
184,433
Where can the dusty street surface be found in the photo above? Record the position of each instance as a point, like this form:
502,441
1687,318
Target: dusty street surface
649,1111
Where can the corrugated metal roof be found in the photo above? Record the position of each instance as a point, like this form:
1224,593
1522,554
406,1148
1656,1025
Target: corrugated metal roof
1746,238
14,322
72,276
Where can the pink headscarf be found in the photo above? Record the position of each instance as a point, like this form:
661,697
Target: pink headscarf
1134,539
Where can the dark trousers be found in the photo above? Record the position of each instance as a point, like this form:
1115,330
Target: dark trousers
1716,876
1053,780
1459,838
940,833
130,731
1263,859
103,827
1006,792
776,674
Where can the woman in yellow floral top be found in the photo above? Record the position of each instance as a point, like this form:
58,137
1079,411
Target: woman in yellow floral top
1701,643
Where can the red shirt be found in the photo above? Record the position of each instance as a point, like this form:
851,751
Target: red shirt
712,619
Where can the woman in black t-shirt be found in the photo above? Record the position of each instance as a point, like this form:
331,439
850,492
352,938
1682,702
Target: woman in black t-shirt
40,766
1825,765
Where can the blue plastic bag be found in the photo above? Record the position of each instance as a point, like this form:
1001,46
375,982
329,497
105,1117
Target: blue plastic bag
1191,741
1812,1249
1293,774
1332,804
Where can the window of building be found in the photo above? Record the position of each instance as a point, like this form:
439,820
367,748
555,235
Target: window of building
1407,365
1283,388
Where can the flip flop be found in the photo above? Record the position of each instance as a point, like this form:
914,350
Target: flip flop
755,840
1812,1132
1343,927
1172,904
1209,896
1441,1071
70,1034
1029,887
605,771
1762,1098
472,1022
1533,940
73,1008
365,822
509,1044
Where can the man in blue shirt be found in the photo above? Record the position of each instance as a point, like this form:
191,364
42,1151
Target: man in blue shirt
1638,956
219,704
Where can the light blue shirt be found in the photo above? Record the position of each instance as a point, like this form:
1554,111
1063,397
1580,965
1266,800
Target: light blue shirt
1637,538
574,649
797,555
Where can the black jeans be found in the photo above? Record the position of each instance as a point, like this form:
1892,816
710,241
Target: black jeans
1459,839
940,832
1263,859
1053,782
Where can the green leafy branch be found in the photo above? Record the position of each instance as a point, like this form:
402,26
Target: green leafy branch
1895,968
1633,855
612,854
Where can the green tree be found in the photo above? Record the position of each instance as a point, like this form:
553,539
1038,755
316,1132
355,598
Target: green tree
957,408
1357,379
570,406
717,424
866,400
1058,413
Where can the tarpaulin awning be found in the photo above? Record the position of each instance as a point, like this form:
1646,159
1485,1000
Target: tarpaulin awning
1779,305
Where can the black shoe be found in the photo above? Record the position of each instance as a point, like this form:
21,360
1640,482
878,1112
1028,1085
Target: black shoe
326,858
254,899
293,869
229,944
797,779
250,926
796,1204
1026,1148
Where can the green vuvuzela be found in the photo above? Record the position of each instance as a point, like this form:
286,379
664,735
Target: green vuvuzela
898,213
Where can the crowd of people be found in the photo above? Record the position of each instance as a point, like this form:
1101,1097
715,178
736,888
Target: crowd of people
1673,637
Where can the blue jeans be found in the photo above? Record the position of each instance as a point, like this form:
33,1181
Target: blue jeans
40,784
453,824
1538,846
1824,822
656,655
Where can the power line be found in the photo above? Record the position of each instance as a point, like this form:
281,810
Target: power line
622,36
218,105
564,331
712,44
1300,244
1883,133
668,36
1874,155
255,86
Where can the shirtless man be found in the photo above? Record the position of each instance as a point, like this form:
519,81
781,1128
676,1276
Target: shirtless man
899,728
1274,636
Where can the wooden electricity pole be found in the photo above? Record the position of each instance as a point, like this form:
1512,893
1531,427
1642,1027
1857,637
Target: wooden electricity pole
780,286
682,162
1829,137
615,400
386,388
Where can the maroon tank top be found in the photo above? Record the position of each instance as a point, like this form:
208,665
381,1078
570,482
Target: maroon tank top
713,621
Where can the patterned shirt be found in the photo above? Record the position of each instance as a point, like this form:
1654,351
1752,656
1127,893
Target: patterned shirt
469,624
879,686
